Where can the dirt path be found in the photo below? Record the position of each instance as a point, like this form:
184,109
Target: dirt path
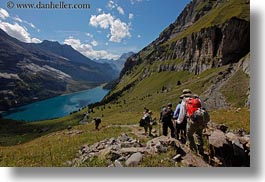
214,98
136,130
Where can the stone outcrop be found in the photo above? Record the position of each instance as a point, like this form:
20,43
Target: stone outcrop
134,160
212,47
209,48
225,148
228,148
188,16
128,152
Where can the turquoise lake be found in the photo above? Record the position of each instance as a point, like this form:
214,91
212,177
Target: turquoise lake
57,106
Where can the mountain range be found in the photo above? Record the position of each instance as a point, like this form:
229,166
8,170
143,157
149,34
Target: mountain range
30,72
117,64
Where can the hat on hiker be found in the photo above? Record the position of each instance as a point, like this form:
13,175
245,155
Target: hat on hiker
187,95
186,91
150,112
169,104
195,96
182,96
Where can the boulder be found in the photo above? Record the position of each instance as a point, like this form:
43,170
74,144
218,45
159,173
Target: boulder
160,148
103,153
133,150
117,164
134,160
217,139
123,138
244,140
230,136
191,160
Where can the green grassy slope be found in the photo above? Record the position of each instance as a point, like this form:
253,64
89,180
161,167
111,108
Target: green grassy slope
236,88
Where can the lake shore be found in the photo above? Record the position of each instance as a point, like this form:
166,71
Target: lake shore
56,107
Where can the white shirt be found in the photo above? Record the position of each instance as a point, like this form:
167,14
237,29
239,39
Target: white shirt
183,111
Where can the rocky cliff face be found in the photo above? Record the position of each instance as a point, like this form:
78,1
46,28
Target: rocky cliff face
209,48
213,46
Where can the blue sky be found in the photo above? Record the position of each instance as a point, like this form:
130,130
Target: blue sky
105,30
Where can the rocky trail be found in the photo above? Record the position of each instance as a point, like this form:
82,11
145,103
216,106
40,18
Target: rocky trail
213,96
224,148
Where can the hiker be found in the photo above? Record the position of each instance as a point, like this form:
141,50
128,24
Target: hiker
167,117
189,108
180,129
147,121
160,119
161,113
97,122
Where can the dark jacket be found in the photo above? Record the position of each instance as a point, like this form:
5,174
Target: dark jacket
167,115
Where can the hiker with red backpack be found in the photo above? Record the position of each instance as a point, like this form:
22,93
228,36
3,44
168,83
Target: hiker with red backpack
193,108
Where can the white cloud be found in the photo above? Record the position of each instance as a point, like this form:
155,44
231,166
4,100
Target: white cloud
18,19
3,14
139,36
18,31
94,43
33,26
35,40
120,10
87,50
135,1
99,10
131,16
118,29
89,35
102,20
111,4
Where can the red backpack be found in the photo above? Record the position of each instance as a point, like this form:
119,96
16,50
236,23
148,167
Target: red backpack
192,105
